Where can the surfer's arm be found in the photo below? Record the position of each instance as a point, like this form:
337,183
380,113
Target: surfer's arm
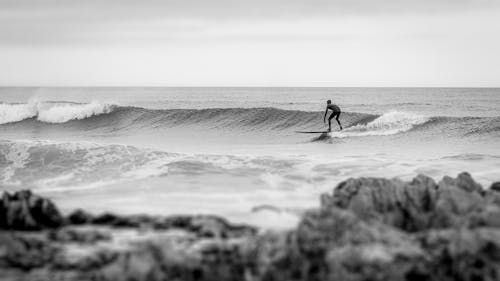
324,117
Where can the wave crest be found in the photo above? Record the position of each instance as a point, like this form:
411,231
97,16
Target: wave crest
66,112
51,112
390,123
16,112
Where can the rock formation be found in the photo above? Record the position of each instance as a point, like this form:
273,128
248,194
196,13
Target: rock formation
365,229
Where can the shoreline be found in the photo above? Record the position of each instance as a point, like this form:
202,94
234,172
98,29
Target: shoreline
372,228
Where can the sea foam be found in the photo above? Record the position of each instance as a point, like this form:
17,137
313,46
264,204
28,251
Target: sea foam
390,123
16,112
51,112
65,112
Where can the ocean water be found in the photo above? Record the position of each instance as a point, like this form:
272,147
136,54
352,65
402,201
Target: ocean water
236,151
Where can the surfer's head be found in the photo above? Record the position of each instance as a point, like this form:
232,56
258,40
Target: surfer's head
328,101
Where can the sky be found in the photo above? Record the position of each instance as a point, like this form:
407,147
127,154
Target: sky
358,43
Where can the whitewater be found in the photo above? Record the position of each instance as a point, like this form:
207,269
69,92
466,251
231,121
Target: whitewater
230,151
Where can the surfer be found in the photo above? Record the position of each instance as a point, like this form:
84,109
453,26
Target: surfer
335,113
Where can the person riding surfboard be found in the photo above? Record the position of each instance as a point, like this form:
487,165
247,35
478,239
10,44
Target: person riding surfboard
335,113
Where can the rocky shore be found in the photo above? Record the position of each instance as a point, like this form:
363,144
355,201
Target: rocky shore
366,229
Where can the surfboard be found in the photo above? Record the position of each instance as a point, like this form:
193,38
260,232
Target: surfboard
312,132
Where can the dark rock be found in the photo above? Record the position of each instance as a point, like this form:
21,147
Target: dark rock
367,229
115,220
25,252
495,186
202,225
80,216
25,211
463,181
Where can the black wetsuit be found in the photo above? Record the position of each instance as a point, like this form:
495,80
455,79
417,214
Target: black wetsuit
335,113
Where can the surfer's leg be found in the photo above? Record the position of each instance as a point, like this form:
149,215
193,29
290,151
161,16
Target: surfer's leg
330,121
338,121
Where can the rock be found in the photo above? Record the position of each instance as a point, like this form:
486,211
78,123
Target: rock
463,181
495,186
25,211
463,254
181,258
80,216
407,206
411,206
367,229
25,252
202,225
336,244
117,221
84,236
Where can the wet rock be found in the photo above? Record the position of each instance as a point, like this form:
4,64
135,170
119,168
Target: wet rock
25,211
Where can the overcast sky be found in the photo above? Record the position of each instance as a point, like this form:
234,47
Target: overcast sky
250,43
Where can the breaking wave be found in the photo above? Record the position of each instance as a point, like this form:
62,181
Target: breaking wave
390,123
51,112
113,118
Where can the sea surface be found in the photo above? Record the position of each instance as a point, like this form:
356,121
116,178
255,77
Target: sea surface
236,151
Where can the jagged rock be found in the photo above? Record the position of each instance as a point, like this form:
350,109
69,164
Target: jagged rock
463,181
335,243
463,254
412,206
367,229
25,211
405,205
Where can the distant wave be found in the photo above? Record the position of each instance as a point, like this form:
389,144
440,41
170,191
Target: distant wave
51,112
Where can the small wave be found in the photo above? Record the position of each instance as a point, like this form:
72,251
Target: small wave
51,165
390,123
51,112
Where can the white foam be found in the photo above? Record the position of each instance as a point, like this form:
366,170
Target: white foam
51,113
390,123
16,112
65,112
